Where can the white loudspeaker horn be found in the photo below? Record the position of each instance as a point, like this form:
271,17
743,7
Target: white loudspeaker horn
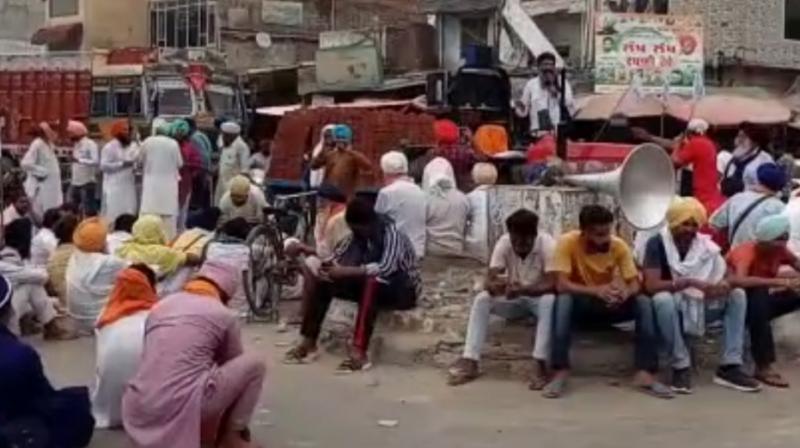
644,185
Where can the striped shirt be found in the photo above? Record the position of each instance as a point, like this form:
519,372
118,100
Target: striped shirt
398,257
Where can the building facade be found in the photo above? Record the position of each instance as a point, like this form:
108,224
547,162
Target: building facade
82,25
20,18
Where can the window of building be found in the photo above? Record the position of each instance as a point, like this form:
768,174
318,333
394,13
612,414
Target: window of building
100,102
127,103
474,31
637,6
63,8
791,19
183,23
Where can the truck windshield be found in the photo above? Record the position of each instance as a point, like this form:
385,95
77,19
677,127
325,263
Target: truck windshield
222,101
175,101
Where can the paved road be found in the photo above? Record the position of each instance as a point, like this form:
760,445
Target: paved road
309,407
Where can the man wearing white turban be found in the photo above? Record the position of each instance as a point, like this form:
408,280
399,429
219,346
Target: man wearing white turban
402,200
476,243
234,158
755,268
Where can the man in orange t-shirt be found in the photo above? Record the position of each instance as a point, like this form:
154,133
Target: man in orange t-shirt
755,268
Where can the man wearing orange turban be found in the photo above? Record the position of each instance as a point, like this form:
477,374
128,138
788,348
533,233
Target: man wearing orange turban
117,160
85,161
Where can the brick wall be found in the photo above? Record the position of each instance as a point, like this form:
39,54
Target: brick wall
376,131
756,28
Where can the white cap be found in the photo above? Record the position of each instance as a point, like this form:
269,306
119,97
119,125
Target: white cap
394,163
230,127
697,125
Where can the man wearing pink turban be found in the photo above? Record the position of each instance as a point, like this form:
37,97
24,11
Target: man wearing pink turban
85,161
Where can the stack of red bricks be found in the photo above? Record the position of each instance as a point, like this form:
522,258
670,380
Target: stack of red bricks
376,131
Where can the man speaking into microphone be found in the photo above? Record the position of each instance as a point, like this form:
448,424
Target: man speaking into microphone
541,99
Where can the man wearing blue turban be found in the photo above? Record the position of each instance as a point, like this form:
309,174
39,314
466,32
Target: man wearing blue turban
344,166
755,267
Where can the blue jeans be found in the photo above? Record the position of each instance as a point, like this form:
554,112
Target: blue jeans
84,197
570,308
732,312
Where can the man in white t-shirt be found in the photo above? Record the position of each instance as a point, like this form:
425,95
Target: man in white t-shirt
520,284
402,200
541,98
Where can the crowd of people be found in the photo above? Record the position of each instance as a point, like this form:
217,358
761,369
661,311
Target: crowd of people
138,273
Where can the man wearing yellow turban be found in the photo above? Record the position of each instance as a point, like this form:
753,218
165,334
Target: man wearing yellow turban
243,200
684,273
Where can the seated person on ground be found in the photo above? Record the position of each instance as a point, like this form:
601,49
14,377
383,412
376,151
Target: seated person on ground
755,268
20,208
598,282
120,336
32,412
200,232
402,200
28,281
743,211
57,266
228,245
376,267
123,226
44,243
148,245
520,283
90,275
243,200
447,210
684,272
193,377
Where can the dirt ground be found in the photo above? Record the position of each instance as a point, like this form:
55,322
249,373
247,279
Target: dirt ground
310,406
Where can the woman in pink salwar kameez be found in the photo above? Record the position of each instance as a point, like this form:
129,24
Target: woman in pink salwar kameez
193,376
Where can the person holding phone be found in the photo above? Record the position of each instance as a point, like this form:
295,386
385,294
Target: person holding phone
520,283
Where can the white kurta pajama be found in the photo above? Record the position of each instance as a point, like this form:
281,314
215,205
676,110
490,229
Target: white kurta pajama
233,160
43,181
119,348
119,181
161,158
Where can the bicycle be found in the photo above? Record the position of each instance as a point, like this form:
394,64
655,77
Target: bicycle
291,216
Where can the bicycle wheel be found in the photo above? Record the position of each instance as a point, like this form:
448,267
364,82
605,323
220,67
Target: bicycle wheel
262,283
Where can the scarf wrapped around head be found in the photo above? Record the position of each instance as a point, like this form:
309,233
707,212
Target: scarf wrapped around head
684,209
436,174
446,132
484,174
90,235
179,129
239,185
772,228
132,293
224,278
120,128
149,229
317,176
76,129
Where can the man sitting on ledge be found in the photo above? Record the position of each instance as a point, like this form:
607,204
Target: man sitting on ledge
520,284
376,266
590,264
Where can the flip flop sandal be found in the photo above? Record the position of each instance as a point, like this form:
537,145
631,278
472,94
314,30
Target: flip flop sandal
555,389
298,356
458,376
351,365
538,383
657,390
773,380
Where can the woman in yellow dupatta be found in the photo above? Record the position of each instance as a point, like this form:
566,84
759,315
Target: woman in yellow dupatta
148,245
